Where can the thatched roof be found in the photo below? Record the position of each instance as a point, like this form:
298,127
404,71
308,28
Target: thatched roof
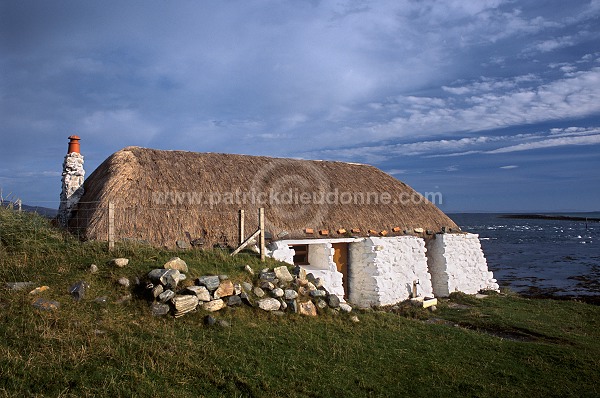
164,196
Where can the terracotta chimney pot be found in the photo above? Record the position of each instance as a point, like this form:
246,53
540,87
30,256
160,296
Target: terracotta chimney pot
74,144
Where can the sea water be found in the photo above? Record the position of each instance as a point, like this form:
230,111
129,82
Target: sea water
539,257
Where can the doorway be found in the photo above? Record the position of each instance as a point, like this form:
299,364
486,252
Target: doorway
340,258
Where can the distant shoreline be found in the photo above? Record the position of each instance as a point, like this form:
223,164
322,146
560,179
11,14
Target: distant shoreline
549,217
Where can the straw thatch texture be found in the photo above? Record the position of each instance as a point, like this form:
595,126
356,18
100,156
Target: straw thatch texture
164,196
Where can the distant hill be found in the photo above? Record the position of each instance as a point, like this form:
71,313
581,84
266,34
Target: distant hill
42,211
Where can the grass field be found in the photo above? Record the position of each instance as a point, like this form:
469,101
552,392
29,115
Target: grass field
500,346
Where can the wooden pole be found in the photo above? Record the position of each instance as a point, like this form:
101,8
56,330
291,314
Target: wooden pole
111,226
241,227
261,226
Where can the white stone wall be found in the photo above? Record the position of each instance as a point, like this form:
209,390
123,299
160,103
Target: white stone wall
456,263
281,251
382,270
320,258
72,186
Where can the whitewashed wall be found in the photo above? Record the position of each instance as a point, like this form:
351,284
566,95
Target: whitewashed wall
382,270
456,263
320,259
281,251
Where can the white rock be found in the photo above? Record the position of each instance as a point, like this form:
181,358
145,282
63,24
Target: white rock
268,304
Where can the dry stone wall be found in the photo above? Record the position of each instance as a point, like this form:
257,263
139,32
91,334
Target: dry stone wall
457,264
382,270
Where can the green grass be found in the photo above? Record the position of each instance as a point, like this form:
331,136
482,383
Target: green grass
502,346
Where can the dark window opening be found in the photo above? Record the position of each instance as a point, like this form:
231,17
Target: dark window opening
301,254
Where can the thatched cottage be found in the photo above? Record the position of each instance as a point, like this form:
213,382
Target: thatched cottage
370,237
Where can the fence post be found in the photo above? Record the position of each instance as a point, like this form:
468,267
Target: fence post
261,226
111,226
241,227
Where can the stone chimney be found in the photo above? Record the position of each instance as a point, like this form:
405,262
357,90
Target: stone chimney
72,181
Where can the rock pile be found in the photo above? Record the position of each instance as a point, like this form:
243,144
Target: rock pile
275,290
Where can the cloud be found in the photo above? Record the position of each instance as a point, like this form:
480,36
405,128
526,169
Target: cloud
550,143
509,167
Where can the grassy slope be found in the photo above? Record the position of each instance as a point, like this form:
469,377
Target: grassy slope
91,349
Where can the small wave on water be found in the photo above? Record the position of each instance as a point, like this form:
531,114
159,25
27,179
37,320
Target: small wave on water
551,257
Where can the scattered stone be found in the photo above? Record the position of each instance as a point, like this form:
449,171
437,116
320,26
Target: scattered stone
283,274
277,292
302,291
292,306
203,294
278,313
480,296
93,269
308,308
200,291
318,283
310,286
290,294
184,304
39,289
209,320
258,292
237,289
77,290
246,299
317,293
101,300
433,308
282,305
124,299
119,262
345,307
211,282
354,319
223,277
214,305
181,244
157,290
247,287
267,276
123,282
249,270
166,296
16,286
234,301
268,304
302,282
266,285
321,304
225,289
176,263
223,323
333,301
182,277
169,278
46,305
160,309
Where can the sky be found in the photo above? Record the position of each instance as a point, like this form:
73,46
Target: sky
495,104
